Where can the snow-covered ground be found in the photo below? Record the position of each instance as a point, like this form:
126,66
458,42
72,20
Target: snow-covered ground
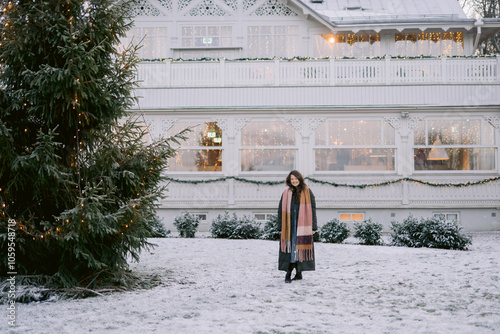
233,286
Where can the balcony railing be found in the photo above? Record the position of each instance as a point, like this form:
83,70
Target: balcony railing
323,72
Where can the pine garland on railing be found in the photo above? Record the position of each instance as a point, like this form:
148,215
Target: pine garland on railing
300,58
359,186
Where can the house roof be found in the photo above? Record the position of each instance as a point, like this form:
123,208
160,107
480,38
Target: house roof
356,15
338,11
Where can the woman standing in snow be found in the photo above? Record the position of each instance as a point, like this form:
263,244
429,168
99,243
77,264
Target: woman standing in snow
297,222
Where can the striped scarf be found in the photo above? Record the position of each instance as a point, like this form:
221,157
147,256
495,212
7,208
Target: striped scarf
304,244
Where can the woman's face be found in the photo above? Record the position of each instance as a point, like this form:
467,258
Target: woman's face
294,180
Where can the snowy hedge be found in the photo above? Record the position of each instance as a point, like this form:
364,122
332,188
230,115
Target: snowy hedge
429,232
232,227
334,231
270,230
187,225
369,232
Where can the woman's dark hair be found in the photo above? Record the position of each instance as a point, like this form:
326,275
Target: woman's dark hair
302,183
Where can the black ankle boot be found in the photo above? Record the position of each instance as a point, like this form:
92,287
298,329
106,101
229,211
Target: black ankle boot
298,276
288,278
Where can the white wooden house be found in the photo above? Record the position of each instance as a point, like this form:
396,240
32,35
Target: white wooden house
385,97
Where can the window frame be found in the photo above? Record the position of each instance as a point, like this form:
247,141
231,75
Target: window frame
351,213
197,214
267,215
427,41
161,46
446,213
207,45
289,46
240,147
181,147
427,145
349,46
316,147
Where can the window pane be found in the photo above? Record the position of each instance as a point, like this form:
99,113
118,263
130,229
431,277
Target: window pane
354,133
439,216
434,43
266,30
357,216
355,159
266,41
187,31
419,134
209,160
400,44
488,133
267,160
458,43
202,134
200,31
268,134
345,216
321,134
253,30
226,31
440,158
454,132
389,134
423,43
213,31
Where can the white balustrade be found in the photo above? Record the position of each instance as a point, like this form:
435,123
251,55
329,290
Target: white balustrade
242,194
323,72
249,73
420,193
195,74
416,71
350,72
304,73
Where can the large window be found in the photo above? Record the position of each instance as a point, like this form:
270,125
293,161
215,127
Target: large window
207,36
343,145
347,45
454,145
201,152
430,44
267,146
270,41
153,41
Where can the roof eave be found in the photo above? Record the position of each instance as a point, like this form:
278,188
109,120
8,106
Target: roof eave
308,11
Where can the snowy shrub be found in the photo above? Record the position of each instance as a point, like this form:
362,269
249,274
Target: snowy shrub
334,231
159,229
270,230
429,232
225,226
186,225
370,233
246,228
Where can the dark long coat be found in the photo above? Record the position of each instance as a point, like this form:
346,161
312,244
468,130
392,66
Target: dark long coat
284,258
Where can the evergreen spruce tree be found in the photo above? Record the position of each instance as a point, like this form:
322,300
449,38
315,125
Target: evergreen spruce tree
81,186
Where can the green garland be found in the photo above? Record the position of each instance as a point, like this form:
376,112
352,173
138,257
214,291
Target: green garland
359,186
220,179
298,58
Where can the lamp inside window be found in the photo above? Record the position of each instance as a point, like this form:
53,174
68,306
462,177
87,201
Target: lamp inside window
437,153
